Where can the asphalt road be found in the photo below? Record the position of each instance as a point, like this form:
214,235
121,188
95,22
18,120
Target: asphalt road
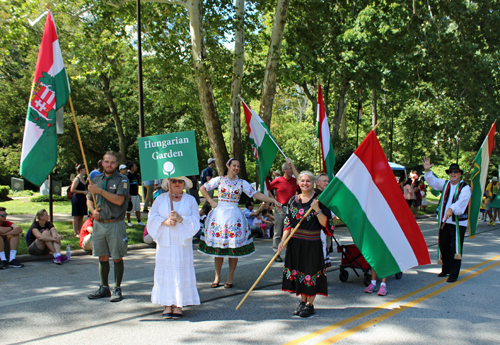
44,303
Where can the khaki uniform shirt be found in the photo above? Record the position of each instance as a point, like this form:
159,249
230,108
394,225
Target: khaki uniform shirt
117,184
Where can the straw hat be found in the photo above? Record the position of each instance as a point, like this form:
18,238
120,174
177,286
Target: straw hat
187,182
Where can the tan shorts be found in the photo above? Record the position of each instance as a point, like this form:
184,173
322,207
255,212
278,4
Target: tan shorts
136,203
87,242
110,239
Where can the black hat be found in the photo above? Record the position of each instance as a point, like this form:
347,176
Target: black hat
454,167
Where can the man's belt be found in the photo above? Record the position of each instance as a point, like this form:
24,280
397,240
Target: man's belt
109,220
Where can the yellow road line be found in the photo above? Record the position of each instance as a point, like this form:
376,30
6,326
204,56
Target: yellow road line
382,306
393,312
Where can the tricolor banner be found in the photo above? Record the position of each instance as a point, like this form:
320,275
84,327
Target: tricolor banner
323,133
49,92
366,196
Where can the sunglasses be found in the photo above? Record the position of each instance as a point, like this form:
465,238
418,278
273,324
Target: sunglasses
177,181
454,171
3,215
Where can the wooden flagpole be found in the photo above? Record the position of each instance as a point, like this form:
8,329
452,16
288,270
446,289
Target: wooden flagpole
81,146
272,260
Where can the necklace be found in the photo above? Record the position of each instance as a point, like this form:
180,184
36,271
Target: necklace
177,196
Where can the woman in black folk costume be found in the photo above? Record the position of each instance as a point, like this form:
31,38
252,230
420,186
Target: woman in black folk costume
305,273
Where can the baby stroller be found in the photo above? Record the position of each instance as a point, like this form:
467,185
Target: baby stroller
352,258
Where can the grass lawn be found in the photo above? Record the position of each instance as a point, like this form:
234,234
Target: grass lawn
65,229
25,206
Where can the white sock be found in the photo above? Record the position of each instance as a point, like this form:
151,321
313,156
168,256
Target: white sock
2,256
382,284
56,255
12,255
374,282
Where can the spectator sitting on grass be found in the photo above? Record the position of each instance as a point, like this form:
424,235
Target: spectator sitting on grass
147,237
86,234
9,237
205,209
43,238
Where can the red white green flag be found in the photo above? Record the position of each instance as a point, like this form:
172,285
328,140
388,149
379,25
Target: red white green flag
478,180
263,145
323,133
366,196
49,92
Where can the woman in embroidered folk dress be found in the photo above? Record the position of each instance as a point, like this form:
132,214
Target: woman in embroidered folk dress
305,273
173,231
226,232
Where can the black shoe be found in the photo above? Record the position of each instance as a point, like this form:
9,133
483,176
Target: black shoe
3,265
278,259
103,291
452,279
116,294
307,311
299,308
442,274
16,264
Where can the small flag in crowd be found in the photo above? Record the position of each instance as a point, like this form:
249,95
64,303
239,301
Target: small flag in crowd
479,180
49,92
323,133
366,196
263,145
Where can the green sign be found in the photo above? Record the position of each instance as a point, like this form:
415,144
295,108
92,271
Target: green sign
168,155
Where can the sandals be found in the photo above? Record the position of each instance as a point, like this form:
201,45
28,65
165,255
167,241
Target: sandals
228,286
166,315
176,315
215,285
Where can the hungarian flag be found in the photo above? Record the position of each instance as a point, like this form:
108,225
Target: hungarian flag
366,196
323,133
49,92
263,144
478,180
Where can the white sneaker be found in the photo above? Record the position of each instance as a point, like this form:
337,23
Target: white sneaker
141,223
130,224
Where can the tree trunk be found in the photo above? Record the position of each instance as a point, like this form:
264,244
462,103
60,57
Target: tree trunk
374,109
205,92
235,122
269,85
122,153
342,106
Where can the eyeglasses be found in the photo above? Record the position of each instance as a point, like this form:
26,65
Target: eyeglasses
454,171
177,181
3,215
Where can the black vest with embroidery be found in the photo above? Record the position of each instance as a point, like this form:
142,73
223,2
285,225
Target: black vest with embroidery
446,196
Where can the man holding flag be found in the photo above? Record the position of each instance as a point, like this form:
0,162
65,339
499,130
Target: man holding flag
453,217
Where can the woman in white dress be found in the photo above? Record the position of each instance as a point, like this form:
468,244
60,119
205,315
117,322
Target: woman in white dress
226,232
173,231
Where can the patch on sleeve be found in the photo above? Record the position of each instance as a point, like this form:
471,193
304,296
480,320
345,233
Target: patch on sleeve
124,183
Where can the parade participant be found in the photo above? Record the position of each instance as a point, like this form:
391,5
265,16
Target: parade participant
226,232
322,182
286,187
305,273
173,231
110,232
123,169
134,196
409,192
78,200
9,236
207,174
373,285
453,212
86,233
491,193
44,239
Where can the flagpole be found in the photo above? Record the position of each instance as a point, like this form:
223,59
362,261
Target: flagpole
274,257
81,146
270,136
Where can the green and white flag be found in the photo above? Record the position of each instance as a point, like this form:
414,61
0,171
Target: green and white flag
263,144
49,92
323,133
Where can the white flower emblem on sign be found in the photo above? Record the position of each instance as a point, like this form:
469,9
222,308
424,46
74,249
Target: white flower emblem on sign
168,168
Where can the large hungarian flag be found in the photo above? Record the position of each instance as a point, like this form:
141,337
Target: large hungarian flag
479,178
49,92
323,133
366,196
263,144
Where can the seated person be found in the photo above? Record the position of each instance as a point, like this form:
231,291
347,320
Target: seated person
43,238
205,209
9,238
250,216
86,233
266,220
